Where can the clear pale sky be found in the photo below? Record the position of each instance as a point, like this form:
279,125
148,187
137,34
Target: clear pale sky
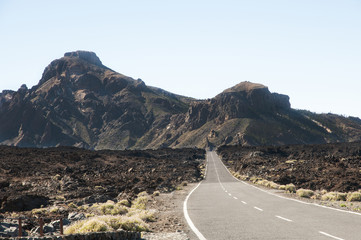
309,49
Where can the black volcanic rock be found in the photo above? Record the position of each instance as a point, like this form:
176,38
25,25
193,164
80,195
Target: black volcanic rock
80,102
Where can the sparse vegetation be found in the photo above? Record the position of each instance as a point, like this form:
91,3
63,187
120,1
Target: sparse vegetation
72,205
305,193
291,161
111,216
124,202
334,196
354,196
291,188
108,223
140,202
39,211
110,208
54,209
60,198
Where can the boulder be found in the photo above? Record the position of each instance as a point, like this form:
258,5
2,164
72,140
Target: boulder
74,216
23,203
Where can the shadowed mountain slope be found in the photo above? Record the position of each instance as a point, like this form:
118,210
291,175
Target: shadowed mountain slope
80,102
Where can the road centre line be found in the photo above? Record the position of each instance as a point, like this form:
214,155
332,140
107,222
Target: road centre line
329,235
243,202
259,209
219,180
286,219
235,198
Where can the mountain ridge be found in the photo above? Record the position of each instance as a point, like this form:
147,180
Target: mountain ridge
80,102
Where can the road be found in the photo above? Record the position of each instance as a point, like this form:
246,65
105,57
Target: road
222,207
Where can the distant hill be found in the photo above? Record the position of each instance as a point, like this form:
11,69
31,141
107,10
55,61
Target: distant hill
80,102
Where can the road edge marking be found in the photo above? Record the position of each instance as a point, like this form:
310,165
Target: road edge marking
331,236
188,219
290,199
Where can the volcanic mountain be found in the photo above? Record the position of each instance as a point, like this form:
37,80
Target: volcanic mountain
80,102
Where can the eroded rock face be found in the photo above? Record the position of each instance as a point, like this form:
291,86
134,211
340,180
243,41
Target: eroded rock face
246,100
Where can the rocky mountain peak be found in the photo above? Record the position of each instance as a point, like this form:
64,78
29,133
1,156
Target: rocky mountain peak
90,57
245,87
80,102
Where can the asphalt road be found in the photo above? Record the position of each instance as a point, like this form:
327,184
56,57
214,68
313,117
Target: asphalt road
222,207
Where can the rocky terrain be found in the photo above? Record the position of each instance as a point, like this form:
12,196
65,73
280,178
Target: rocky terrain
31,178
80,102
73,183
332,167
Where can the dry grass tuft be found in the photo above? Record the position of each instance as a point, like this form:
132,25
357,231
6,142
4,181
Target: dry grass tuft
107,223
291,188
354,196
305,193
109,208
115,216
334,196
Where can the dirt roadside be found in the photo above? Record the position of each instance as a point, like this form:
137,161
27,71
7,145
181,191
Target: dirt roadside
170,221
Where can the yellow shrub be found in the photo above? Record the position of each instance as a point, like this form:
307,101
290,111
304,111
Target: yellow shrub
145,215
140,203
39,211
110,208
334,196
355,196
88,225
290,188
305,193
107,223
124,202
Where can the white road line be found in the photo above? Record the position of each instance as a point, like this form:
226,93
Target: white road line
329,235
188,219
259,209
206,170
243,202
230,194
235,198
290,199
286,219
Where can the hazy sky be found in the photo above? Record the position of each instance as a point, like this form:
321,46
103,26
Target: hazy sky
309,49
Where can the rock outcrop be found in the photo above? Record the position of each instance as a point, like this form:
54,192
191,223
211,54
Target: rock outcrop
80,102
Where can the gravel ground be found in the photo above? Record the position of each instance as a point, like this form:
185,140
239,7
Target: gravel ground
165,236
170,222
